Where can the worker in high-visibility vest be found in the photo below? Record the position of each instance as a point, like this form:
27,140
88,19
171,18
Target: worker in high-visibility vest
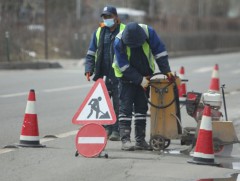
99,60
136,48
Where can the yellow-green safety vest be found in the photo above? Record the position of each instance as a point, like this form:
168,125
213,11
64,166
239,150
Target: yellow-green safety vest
122,26
145,47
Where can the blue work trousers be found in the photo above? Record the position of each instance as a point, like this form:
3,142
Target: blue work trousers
112,87
132,98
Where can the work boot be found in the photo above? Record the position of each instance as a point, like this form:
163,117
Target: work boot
114,136
127,146
142,145
140,127
125,132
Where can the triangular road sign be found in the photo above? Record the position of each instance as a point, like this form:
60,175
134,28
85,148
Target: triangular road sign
97,107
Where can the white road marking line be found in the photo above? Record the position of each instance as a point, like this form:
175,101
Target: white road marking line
67,88
43,140
236,71
5,150
203,69
70,133
62,135
46,90
73,71
14,95
234,92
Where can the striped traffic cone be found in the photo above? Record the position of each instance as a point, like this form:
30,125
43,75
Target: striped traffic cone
30,135
204,153
182,87
215,83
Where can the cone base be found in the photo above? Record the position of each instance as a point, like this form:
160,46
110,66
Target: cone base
203,163
33,144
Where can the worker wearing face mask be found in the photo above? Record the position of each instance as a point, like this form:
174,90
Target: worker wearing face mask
99,60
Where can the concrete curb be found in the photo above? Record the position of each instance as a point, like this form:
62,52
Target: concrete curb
29,65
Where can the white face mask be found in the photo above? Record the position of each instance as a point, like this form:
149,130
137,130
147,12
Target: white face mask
109,22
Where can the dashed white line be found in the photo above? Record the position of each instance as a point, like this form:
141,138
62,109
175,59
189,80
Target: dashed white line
62,135
67,134
234,92
67,88
47,90
203,70
14,95
236,71
6,150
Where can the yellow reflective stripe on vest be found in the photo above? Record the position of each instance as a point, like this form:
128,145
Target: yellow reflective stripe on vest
98,34
122,27
115,66
146,48
97,37
116,69
149,55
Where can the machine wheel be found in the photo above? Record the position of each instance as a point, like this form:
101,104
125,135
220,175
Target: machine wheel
188,137
158,142
217,145
167,143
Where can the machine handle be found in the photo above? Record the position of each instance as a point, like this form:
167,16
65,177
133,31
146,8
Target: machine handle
160,90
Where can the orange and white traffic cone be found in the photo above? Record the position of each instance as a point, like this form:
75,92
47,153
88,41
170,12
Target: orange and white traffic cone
215,83
182,87
204,153
30,135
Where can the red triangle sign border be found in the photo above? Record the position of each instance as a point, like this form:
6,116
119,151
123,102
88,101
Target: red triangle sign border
84,103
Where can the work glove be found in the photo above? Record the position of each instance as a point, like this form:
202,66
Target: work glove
88,75
170,77
145,82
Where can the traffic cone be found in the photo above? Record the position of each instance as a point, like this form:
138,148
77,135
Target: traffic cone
204,153
30,135
182,87
214,84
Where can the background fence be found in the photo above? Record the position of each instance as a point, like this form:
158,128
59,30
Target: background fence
57,29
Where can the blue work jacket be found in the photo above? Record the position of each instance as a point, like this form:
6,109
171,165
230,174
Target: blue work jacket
95,55
135,66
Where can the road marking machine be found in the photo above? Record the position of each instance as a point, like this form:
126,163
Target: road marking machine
166,123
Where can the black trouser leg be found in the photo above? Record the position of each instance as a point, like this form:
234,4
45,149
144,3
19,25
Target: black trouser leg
125,128
140,127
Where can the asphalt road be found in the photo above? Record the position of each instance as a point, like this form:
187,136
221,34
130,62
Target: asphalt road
59,93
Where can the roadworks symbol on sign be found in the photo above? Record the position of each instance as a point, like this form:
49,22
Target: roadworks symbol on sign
97,107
